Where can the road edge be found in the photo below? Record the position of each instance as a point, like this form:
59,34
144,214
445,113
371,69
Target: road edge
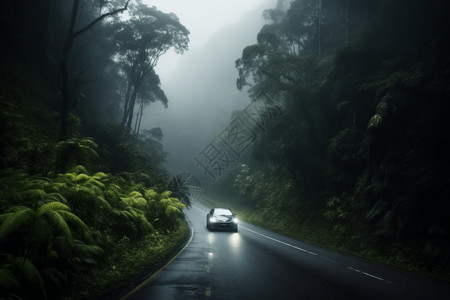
161,266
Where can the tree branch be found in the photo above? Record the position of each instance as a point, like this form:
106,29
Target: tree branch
100,19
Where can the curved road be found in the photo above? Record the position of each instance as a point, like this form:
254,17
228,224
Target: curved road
258,264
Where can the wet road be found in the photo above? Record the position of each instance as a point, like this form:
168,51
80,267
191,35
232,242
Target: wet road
258,264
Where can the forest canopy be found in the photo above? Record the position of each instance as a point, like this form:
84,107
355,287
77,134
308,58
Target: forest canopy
361,154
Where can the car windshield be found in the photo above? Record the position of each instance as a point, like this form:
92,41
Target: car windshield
222,212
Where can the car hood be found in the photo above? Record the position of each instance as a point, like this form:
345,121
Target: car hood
224,218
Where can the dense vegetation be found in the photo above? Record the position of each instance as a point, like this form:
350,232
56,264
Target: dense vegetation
80,183
360,158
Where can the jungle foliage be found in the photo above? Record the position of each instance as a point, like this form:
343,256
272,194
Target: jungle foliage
78,189
361,155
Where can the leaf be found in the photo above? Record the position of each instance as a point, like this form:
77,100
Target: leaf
8,281
81,177
52,206
58,221
75,221
33,194
20,217
56,197
31,274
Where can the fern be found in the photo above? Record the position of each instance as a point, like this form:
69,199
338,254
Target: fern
60,224
52,206
76,222
87,253
29,272
56,197
81,178
8,281
33,194
19,216
100,175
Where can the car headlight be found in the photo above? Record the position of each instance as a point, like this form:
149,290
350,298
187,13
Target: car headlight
235,220
212,219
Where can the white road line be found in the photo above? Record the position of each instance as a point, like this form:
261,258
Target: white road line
267,237
278,241
367,274
301,249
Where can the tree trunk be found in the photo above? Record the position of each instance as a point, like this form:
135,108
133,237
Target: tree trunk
65,97
141,111
320,26
131,108
126,105
71,35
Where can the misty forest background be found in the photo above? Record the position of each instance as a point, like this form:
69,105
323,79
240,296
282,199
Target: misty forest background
359,160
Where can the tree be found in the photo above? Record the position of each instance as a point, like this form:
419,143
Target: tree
150,92
141,41
70,37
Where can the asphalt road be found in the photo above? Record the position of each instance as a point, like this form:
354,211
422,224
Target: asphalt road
258,264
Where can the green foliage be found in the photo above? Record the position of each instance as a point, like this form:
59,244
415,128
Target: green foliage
40,218
359,154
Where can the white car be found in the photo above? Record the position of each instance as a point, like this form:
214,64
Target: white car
221,218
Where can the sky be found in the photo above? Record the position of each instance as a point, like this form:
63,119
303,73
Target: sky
204,18
201,83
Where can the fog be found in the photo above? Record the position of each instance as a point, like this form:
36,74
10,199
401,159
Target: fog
201,88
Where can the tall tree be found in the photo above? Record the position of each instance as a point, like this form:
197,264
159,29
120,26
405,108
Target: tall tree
142,40
72,34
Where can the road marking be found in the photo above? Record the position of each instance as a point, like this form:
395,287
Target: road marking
267,237
303,250
367,274
162,268
278,241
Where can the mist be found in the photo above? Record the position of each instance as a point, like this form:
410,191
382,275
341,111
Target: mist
202,93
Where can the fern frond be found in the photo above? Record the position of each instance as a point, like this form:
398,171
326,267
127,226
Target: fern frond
52,206
89,151
33,194
60,224
93,181
31,273
76,222
100,175
56,187
8,281
81,177
151,194
87,251
15,221
57,197
166,194
103,202
135,194
79,169
172,211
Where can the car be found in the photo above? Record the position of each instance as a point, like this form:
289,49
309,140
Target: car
221,218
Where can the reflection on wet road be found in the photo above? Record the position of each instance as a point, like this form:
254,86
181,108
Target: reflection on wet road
258,264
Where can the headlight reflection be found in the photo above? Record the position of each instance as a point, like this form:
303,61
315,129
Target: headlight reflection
235,242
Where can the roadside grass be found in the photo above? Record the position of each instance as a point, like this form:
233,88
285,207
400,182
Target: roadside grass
128,264
316,233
